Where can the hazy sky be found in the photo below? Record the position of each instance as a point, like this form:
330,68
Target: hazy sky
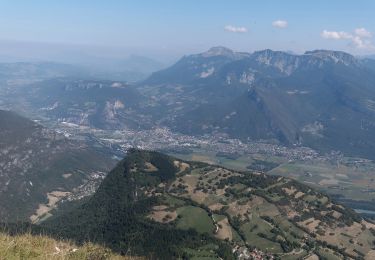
174,27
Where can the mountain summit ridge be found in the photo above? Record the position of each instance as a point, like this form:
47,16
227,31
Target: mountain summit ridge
208,63
320,53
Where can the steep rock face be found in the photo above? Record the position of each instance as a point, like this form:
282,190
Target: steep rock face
162,206
197,67
208,64
335,57
269,94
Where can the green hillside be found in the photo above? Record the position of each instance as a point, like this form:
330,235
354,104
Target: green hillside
170,208
39,167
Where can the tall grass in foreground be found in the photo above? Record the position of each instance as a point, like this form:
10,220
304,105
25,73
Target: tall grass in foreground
27,246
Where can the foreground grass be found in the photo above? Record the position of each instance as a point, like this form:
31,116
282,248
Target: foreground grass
29,246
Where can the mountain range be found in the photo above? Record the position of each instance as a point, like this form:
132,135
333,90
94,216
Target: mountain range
322,99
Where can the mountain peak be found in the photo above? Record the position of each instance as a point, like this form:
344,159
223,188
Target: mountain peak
285,62
218,51
335,56
323,52
224,52
269,54
265,51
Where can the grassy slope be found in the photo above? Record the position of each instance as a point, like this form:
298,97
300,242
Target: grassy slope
28,246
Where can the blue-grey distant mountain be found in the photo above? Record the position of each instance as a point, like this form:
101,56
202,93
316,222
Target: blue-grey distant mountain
369,63
141,64
95,103
323,99
370,57
132,68
25,72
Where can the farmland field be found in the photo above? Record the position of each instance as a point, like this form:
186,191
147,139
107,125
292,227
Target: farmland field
349,180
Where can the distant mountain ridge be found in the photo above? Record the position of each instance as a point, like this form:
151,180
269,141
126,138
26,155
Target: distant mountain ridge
321,98
219,56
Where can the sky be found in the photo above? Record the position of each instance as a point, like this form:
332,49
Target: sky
167,29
